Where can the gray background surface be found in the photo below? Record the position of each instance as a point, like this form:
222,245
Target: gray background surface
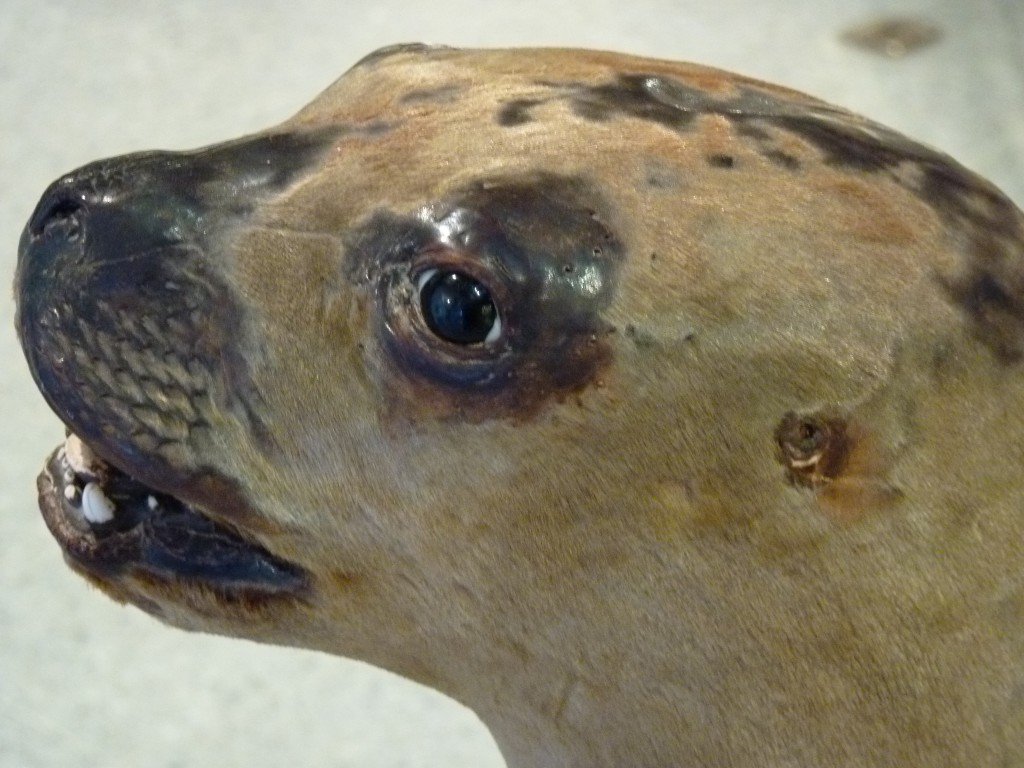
84,682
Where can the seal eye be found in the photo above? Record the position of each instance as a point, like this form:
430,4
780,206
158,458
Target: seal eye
458,307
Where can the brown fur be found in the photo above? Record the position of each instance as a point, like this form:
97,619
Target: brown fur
640,563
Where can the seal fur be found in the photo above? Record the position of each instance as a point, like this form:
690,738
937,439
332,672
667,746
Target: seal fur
738,484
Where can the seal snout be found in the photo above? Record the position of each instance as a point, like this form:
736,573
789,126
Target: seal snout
123,315
94,246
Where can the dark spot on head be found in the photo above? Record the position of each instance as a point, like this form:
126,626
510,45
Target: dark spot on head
753,130
997,315
782,159
373,129
631,96
983,292
516,112
721,161
847,145
963,198
990,286
813,449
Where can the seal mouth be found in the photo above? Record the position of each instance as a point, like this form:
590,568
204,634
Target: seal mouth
109,524
127,325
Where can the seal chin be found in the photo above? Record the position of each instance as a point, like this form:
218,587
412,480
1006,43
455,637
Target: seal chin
111,525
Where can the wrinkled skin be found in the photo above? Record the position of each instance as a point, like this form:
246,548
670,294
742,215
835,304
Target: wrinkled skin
738,483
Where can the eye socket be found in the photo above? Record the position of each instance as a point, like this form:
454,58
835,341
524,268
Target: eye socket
458,307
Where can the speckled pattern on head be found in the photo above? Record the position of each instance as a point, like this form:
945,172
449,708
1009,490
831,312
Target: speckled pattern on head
660,415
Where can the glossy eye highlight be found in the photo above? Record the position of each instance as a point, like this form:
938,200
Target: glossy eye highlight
458,308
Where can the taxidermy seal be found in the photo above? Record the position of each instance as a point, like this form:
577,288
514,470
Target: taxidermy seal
660,415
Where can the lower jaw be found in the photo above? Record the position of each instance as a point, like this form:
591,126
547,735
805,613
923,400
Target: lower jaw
131,529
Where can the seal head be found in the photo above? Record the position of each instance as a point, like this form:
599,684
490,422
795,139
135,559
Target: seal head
660,415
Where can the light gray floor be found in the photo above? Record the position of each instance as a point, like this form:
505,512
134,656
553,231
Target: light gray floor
86,683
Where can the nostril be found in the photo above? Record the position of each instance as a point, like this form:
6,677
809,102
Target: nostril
60,211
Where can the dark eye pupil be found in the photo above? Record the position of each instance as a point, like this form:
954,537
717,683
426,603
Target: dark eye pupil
458,308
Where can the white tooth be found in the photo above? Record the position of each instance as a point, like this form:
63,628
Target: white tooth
96,507
79,456
70,492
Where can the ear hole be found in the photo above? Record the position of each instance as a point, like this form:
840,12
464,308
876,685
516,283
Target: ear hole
813,449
